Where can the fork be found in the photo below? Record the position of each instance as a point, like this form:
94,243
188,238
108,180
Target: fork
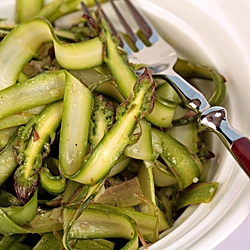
160,58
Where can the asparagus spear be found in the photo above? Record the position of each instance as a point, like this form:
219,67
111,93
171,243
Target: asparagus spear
31,147
108,150
101,120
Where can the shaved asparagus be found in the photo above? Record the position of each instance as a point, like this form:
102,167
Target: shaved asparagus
113,143
88,140
78,102
25,45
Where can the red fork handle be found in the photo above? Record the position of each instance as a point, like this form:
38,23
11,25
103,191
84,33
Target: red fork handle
241,151
215,119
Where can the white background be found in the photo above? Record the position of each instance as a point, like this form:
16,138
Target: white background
239,240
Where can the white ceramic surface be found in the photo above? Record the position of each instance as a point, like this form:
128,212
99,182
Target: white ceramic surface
213,32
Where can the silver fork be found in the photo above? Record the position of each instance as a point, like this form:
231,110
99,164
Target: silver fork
160,58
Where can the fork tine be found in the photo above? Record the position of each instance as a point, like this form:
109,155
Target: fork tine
148,31
129,31
113,30
85,9
90,19
144,26
122,43
134,38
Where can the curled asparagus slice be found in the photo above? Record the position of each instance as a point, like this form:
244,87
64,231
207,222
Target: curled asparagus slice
25,45
117,225
21,9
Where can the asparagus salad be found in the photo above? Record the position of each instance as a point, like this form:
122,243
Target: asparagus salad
93,154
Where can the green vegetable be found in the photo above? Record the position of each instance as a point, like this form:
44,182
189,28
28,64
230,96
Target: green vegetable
143,148
194,72
45,221
125,78
167,198
145,222
30,150
7,226
58,8
9,241
15,120
190,70
120,165
102,244
8,199
13,217
78,102
149,206
162,175
25,45
7,159
22,215
113,143
21,10
98,153
42,89
103,224
197,193
49,241
5,136
52,184
125,194
181,161
103,115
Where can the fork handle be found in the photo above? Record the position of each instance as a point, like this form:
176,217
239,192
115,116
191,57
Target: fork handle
241,151
212,118
215,119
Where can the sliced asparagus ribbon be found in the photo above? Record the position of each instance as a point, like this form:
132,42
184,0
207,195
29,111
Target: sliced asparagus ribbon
108,150
78,103
40,90
82,135
25,45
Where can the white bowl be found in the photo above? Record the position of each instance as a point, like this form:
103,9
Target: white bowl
214,33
